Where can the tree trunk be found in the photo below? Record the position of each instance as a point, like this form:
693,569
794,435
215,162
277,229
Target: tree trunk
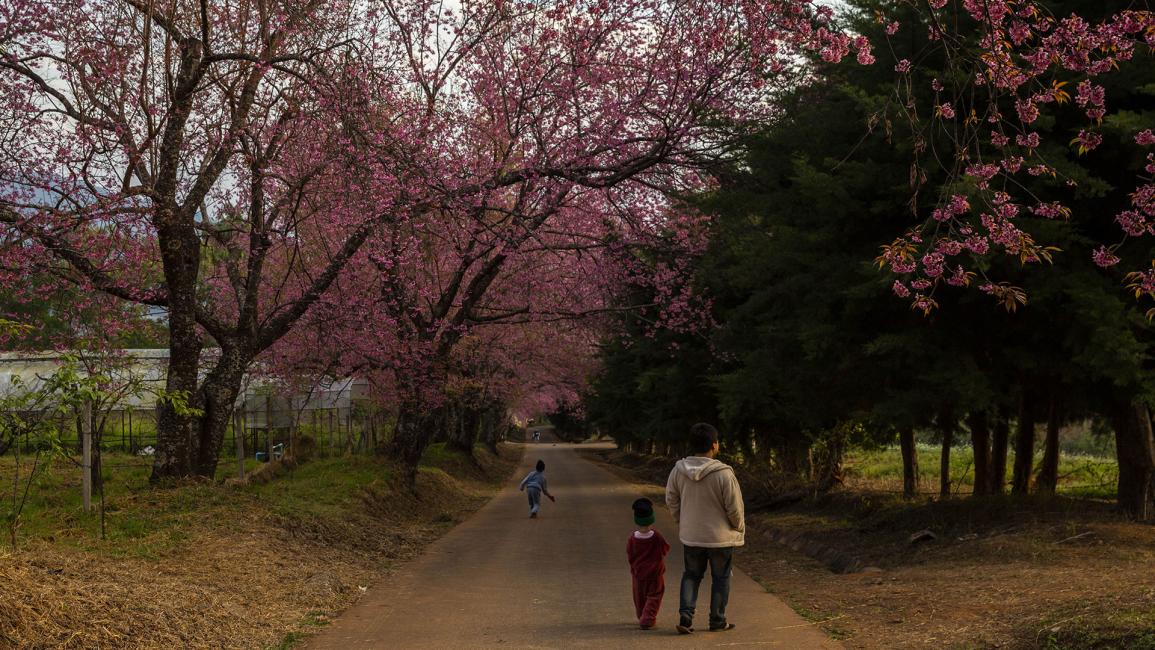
463,433
219,399
1135,450
177,439
485,426
998,473
944,482
746,444
96,424
1024,449
177,435
218,396
493,426
1048,477
981,445
909,463
444,421
793,456
410,440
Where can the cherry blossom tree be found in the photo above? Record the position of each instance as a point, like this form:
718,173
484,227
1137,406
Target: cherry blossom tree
226,163
447,328
145,150
1035,113
1011,67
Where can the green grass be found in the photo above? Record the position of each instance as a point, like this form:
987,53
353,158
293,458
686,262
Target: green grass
455,462
312,622
1079,475
325,487
139,520
144,521
440,454
291,640
227,468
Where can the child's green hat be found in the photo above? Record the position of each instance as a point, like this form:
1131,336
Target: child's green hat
644,512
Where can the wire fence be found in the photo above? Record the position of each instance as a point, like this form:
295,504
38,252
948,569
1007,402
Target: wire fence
260,433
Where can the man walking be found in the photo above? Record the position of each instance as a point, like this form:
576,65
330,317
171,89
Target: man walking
703,495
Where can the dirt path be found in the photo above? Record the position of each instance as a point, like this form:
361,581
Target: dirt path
503,580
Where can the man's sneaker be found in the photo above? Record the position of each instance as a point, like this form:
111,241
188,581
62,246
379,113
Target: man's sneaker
533,515
646,626
684,626
722,628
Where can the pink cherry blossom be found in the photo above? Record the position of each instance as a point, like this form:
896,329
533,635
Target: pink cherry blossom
1104,257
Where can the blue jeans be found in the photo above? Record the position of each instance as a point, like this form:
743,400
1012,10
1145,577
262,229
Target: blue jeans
720,560
534,495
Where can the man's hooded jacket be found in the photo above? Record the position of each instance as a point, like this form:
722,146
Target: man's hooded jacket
704,497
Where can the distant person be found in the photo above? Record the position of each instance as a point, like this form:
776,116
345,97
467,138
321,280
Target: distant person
534,486
704,497
646,551
536,436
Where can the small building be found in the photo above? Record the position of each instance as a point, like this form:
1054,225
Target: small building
263,407
145,367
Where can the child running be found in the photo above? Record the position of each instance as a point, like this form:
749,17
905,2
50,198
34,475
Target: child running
534,485
646,550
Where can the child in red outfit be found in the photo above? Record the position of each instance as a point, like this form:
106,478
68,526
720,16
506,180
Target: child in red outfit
646,550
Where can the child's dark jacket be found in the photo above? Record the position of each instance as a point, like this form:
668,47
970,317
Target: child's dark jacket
646,556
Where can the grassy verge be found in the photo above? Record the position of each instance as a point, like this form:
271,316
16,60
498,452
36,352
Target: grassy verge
136,514
880,470
221,564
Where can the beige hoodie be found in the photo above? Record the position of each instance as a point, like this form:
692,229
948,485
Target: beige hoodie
704,497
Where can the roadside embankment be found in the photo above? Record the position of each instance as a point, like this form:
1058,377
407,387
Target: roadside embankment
252,565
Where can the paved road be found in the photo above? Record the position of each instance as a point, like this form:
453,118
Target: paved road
502,580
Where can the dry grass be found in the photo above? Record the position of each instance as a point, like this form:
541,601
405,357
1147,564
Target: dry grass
1023,588
238,587
243,571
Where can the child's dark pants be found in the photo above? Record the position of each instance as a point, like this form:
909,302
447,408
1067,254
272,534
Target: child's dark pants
648,598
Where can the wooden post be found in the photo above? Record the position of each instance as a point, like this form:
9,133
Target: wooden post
86,454
269,426
239,437
256,433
